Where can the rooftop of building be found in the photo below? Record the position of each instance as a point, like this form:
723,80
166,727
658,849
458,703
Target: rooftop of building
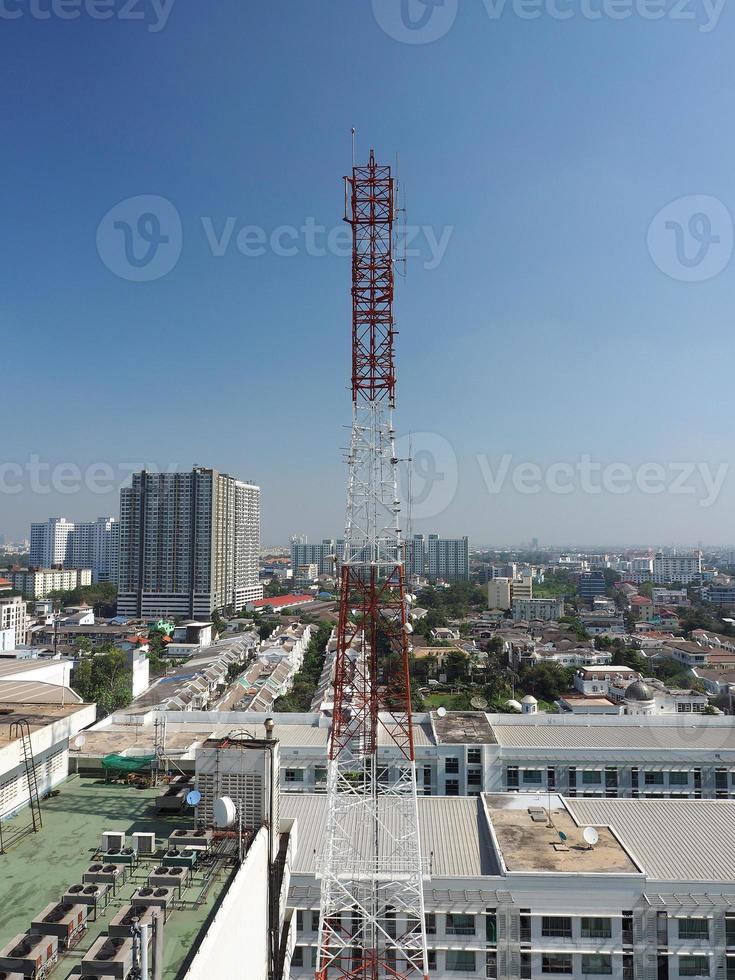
528,841
690,840
667,735
37,714
453,833
461,727
73,823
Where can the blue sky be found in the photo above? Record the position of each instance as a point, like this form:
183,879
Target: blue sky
553,327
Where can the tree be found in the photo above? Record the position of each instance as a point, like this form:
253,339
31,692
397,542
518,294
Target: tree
546,681
456,665
104,678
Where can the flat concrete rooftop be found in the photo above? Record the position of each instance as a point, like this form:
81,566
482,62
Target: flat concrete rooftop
528,844
39,869
37,715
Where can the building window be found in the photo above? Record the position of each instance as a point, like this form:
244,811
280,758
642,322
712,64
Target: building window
693,966
596,964
532,776
298,956
553,963
315,920
556,926
591,778
511,777
431,953
320,774
694,928
596,928
451,764
491,926
460,925
430,920
299,920
678,778
474,777
294,775
474,757
460,961
653,778
451,787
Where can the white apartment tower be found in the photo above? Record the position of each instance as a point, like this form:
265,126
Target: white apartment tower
86,544
189,544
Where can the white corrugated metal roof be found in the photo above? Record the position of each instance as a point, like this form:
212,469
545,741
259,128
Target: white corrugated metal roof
673,840
450,828
675,736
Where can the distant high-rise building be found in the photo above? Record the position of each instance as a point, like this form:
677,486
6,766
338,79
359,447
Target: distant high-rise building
189,544
591,584
327,556
448,559
85,544
677,568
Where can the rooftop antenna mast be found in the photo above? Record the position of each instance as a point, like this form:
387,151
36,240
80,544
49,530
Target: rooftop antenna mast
371,923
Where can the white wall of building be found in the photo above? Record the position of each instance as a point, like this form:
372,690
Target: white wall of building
236,944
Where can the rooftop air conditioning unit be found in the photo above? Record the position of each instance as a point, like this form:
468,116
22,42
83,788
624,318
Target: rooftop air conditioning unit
157,897
126,918
106,874
110,956
168,877
66,920
112,840
93,896
30,955
194,840
144,843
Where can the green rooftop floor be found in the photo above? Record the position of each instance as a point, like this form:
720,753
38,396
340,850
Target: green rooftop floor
39,869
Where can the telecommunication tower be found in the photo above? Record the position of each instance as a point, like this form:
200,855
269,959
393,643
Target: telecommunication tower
372,908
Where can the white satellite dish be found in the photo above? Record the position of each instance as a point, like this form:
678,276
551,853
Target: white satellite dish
79,741
441,711
590,835
225,812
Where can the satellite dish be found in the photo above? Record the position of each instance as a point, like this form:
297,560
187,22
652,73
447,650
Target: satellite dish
193,797
225,811
79,741
590,835
441,711
562,836
479,703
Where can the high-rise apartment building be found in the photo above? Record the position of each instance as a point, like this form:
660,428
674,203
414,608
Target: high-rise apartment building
327,556
189,544
677,568
86,544
448,559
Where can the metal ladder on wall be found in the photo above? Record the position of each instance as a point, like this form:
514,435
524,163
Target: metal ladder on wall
21,730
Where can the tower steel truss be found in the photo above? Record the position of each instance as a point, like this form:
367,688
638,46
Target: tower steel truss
372,911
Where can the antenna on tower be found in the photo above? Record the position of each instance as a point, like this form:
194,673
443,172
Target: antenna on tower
353,146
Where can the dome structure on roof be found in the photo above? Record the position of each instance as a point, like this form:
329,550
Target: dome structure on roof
638,691
529,699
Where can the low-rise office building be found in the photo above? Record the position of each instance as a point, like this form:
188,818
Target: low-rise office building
515,891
